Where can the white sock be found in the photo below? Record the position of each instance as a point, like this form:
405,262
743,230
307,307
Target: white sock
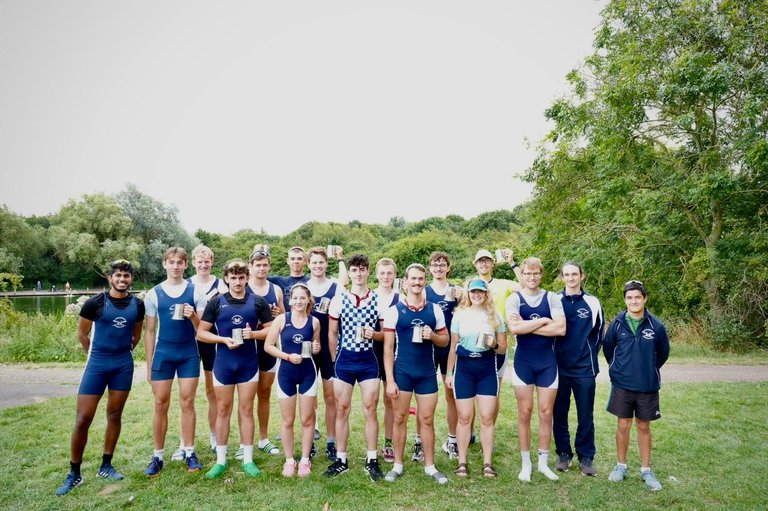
158,453
341,456
418,439
525,470
645,469
221,454
543,468
263,442
622,465
451,439
290,460
247,454
397,467
213,439
188,451
430,470
304,460
371,455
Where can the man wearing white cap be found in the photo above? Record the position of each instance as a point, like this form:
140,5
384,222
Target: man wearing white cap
500,290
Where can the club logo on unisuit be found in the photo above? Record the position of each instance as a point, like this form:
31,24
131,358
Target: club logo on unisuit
443,305
119,322
648,334
237,319
535,316
417,322
582,313
298,339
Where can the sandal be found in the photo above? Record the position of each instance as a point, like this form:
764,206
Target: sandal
270,448
461,470
488,470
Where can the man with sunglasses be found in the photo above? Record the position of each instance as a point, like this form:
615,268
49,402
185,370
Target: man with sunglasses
636,345
117,317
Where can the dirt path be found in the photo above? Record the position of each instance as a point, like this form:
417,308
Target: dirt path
24,384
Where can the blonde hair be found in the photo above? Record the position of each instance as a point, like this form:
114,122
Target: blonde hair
202,250
533,262
488,307
386,261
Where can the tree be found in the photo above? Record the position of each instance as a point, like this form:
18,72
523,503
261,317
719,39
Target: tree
93,231
156,225
658,160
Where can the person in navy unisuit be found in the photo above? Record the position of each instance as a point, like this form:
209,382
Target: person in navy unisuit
171,349
636,345
419,326
237,317
117,317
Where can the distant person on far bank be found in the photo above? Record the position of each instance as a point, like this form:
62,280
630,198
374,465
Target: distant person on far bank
636,345
118,319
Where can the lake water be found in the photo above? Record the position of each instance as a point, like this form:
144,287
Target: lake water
42,303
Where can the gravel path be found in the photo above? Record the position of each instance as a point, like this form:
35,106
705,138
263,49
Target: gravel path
24,384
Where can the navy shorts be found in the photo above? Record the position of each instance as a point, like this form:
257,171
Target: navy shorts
419,383
296,378
353,366
535,365
626,404
475,376
172,359
231,371
107,371
207,354
267,363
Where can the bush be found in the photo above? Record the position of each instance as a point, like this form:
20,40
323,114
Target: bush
38,338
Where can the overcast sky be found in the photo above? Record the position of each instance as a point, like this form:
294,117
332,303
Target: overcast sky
267,115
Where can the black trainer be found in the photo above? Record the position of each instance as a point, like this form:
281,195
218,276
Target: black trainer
338,467
373,469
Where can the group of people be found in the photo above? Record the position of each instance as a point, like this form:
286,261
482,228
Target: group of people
252,329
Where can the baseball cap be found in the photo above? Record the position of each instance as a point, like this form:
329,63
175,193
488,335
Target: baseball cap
477,285
482,253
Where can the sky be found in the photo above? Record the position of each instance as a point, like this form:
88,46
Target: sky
267,115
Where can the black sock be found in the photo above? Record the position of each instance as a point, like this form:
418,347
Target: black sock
106,459
75,467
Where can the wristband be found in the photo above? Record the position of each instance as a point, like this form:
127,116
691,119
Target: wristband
515,265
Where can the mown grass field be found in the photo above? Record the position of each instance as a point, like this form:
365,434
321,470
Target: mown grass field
707,453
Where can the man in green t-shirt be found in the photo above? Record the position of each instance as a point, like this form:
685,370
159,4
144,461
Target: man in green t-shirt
636,345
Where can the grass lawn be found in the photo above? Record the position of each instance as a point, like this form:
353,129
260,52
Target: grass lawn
707,453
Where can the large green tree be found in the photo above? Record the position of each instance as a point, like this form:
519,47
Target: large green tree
157,226
93,231
658,160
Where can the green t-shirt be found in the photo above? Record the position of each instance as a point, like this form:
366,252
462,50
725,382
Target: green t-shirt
634,324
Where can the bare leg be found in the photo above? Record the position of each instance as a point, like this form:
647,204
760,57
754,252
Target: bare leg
187,391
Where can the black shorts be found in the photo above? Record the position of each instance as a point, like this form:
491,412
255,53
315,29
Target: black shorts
626,404
207,354
441,358
378,348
